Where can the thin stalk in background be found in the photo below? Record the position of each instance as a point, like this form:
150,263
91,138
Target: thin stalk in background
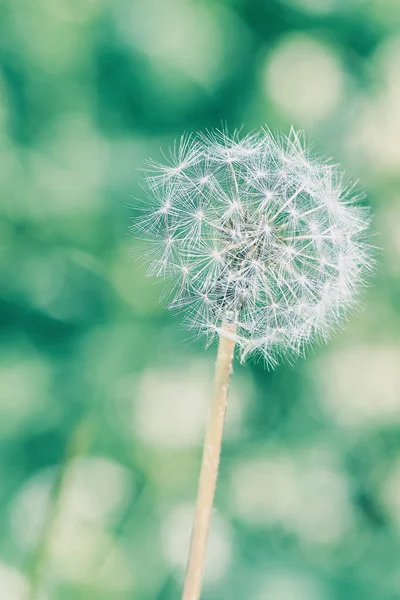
77,445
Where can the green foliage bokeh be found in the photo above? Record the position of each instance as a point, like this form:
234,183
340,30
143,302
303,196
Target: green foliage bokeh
307,505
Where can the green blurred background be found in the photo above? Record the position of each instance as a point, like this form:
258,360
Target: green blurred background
308,501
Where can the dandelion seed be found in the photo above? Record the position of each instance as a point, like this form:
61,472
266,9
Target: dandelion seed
259,223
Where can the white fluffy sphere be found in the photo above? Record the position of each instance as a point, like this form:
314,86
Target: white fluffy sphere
257,233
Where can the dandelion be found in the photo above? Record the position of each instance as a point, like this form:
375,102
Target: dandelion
264,248
258,234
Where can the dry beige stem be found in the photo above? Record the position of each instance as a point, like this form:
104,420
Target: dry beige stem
209,466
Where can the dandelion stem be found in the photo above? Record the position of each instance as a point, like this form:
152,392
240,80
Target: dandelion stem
210,463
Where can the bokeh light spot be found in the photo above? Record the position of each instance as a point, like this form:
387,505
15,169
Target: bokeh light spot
304,78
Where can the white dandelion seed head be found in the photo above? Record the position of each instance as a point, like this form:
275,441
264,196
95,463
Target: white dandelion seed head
257,232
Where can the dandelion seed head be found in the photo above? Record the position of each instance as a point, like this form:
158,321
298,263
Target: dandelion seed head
257,232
